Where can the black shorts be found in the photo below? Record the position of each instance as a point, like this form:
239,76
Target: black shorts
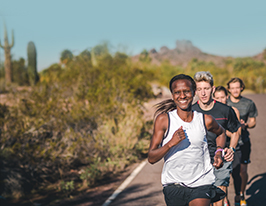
245,152
177,195
237,159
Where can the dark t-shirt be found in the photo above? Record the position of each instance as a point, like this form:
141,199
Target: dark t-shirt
246,108
225,116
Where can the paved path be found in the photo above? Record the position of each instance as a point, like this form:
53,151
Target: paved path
146,190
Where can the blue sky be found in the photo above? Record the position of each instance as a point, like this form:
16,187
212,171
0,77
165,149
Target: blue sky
228,28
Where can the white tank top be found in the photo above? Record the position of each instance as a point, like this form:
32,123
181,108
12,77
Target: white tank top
187,163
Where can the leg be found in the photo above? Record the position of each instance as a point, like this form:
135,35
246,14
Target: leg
226,200
200,202
236,174
222,178
237,182
246,150
244,177
221,202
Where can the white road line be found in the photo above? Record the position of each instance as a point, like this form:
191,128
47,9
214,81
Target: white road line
125,183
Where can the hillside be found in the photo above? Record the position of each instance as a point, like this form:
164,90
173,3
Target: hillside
184,52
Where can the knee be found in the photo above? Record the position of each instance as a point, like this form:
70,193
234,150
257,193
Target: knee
243,170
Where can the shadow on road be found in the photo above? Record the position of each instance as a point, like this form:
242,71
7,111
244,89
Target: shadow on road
257,190
137,194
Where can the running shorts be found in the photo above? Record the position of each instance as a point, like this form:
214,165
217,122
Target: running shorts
222,175
177,195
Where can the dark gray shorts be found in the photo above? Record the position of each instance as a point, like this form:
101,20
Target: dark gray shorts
222,175
245,152
177,195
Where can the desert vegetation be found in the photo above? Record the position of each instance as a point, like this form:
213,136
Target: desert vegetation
83,120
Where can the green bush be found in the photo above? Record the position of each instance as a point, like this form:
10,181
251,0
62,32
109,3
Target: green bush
76,117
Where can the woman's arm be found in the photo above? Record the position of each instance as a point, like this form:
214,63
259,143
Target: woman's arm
156,153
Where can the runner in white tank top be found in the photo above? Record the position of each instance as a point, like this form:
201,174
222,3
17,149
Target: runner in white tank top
194,168
187,174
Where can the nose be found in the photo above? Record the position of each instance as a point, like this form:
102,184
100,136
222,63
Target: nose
203,92
182,95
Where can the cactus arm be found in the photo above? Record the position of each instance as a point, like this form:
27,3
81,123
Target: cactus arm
1,45
12,43
5,35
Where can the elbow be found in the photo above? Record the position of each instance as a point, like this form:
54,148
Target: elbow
151,160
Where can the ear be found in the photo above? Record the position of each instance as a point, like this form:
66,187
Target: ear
213,89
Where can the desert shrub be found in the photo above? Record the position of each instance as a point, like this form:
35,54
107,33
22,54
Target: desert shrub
20,75
75,117
252,72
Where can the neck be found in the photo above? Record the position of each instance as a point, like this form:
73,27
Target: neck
234,99
207,106
185,115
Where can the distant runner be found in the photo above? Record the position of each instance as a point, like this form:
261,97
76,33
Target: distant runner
248,113
180,138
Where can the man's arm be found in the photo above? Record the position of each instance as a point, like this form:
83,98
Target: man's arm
217,129
234,126
234,137
250,124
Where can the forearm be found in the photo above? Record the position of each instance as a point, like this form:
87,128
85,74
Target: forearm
221,139
234,139
228,134
250,124
156,155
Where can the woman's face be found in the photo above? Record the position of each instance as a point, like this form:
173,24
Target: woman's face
182,93
220,96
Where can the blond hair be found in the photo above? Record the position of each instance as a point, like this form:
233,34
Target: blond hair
204,76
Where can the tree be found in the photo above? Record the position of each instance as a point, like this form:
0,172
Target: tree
20,75
85,54
144,56
66,56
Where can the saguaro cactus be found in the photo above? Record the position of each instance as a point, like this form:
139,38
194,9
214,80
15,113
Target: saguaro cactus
7,48
32,64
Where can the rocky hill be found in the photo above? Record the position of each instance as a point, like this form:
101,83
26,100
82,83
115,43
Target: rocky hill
184,52
261,56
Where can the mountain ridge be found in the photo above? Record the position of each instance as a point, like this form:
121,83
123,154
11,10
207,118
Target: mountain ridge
184,52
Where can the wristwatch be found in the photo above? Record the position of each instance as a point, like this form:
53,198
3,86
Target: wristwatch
233,149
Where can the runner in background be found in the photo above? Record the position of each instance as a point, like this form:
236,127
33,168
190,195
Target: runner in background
220,94
248,113
225,116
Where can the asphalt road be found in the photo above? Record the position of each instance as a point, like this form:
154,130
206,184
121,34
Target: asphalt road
146,190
